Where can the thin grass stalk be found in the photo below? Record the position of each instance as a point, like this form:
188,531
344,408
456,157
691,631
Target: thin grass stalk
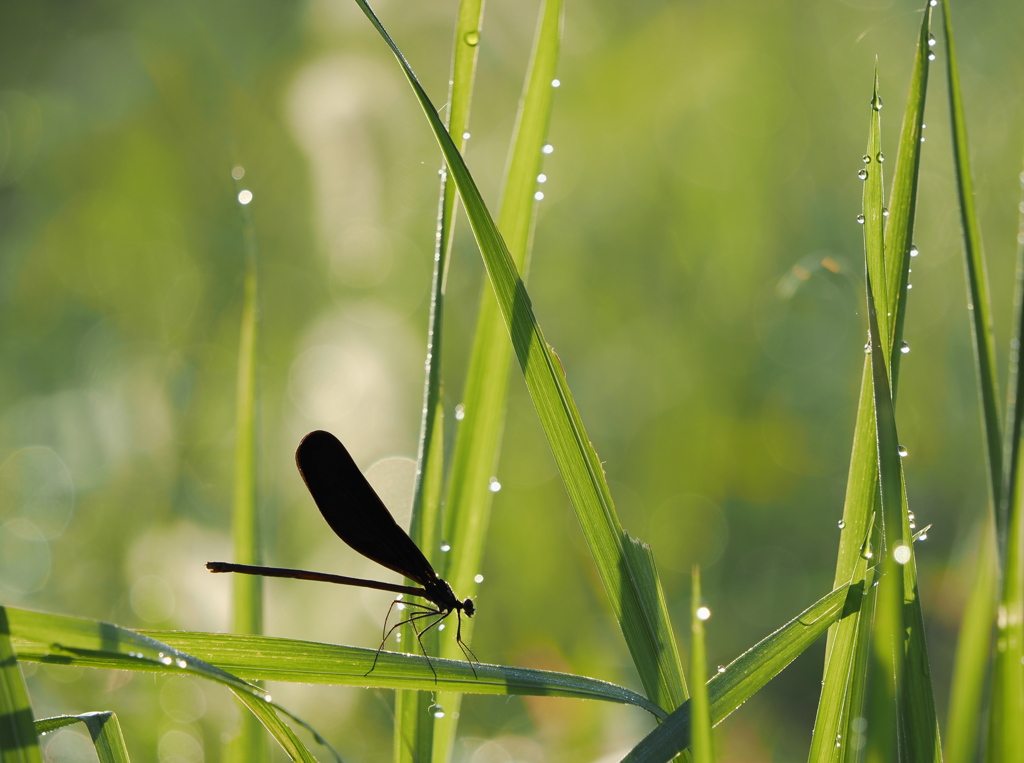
247,602
702,744
103,728
415,721
1006,735
478,436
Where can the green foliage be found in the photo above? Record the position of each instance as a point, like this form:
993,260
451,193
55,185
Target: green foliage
693,175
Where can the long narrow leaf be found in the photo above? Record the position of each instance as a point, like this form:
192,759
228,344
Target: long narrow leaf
743,677
66,640
700,712
478,438
278,659
415,732
648,632
250,743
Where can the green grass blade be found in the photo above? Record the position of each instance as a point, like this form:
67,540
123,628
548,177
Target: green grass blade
415,731
744,676
478,438
103,728
278,659
899,228
247,601
18,740
700,712
977,291
966,696
648,632
1006,737
66,640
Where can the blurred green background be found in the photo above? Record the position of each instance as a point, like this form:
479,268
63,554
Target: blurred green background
704,167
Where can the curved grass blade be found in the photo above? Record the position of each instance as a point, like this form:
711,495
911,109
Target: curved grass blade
744,676
18,740
478,437
66,640
247,599
279,659
103,728
647,631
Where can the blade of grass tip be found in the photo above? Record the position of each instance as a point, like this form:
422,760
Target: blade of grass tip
18,740
845,671
921,723
1007,702
478,438
980,305
648,632
250,743
700,713
415,727
899,228
747,674
104,729
66,640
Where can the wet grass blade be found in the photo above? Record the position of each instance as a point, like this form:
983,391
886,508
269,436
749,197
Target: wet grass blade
648,632
743,677
103,728
701,746
247,600
66,640
478,437
234,656
18,740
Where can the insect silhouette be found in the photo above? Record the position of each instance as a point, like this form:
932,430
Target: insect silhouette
359,517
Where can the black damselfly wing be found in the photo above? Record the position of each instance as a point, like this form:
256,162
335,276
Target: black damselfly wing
354,510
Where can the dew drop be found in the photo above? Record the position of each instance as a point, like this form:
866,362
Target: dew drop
441,627
493,485
901,554
902,451
472,38
445,547
166,660
267,698
885,211
842,524
703,613
478,578
238,172
863,174
556,83
931,56
880,157
548,149
400,607
542,178
398,636
931,40
181,664
244,197
904,348
436,710
721,668
866,159
860,219
460,412
933,3
538,196
876,103
867,348
910,286
466,136
913,250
